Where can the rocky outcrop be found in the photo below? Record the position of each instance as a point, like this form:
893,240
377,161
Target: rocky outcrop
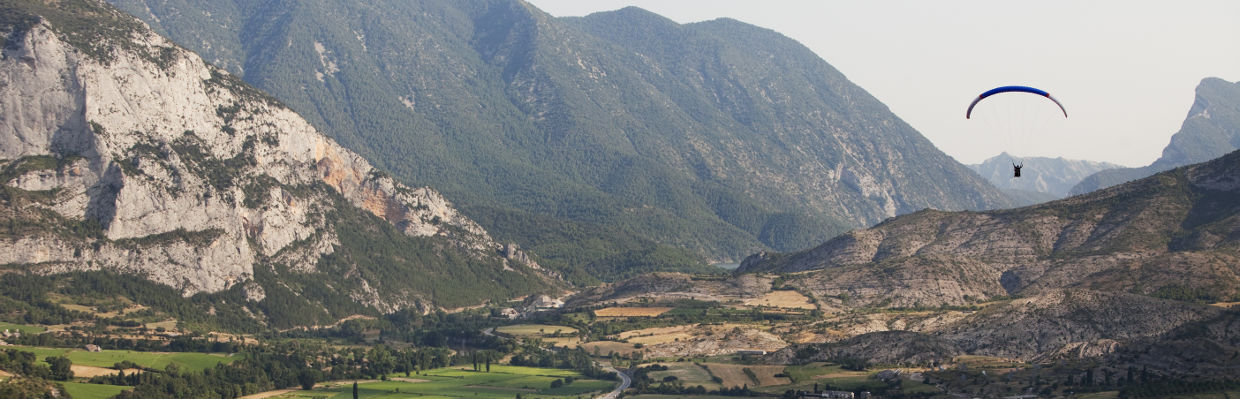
1065,324
137,156
1170,235
1211,129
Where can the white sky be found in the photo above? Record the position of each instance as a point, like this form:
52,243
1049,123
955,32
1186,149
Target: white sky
1126,70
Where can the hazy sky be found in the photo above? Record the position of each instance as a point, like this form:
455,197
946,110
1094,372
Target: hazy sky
1126,70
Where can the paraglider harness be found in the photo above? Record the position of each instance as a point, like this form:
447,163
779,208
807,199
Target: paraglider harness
1016,169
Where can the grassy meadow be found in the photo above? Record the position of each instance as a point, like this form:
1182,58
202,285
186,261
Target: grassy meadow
81,390
21,327
155,360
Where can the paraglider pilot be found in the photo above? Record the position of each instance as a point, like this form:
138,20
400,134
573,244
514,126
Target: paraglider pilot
1016,168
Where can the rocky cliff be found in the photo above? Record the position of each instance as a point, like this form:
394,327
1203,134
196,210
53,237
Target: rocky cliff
1211,129
124,152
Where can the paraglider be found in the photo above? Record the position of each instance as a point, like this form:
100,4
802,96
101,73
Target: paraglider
1013,89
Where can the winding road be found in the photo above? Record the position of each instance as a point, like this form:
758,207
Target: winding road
625,381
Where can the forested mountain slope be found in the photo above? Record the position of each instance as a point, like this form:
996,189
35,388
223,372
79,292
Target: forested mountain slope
622,129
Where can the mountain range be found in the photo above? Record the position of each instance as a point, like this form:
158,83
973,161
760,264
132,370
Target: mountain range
1173,235
1043,180
630,141
1115,273
606,151
1127,277
1211,129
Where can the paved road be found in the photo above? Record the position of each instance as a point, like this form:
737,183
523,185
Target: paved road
624,383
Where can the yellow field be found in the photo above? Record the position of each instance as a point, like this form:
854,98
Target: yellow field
687,373
782,299
657,335
631,311
166,324
567,342
733,375
91,371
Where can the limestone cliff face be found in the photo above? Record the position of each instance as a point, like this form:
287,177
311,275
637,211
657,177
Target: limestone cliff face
142,158
1211,129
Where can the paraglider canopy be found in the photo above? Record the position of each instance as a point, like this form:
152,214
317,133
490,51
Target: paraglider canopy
1012,128
1013,89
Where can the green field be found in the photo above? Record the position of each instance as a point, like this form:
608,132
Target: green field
534,330
21,327
503,382
79,390
155,360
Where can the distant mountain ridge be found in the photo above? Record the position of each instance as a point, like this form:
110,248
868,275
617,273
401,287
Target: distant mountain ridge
1051,176
718,137
1211,129
1124,276
120,151
1175,235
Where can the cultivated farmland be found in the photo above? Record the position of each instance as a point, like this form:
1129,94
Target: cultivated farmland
734,375
503,382
688,373
631,311
782,299
534,330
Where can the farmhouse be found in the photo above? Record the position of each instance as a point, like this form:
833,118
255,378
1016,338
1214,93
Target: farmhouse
509,313
543,302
